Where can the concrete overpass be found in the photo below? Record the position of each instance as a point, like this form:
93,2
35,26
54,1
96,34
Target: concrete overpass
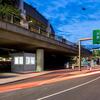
16,37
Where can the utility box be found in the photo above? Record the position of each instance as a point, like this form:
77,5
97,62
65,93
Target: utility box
23,62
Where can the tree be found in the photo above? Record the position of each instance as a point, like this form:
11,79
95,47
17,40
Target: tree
9,6
96,53
9,2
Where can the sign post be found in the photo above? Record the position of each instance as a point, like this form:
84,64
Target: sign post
96,40
79,55
79,45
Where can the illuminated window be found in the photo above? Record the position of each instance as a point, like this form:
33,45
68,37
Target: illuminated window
30,60
27,60
18,60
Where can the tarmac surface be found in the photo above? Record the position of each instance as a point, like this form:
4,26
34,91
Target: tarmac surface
79,85
47,78
6,78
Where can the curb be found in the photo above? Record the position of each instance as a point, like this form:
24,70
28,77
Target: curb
50,72
21,79
44,82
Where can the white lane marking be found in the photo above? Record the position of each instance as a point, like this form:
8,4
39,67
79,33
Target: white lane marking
68,89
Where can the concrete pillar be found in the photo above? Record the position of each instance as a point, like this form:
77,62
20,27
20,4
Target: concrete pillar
39,60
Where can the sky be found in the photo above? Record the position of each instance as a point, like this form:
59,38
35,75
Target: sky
72,19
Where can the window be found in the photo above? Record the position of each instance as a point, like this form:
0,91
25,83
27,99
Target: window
27,60
30,60
18,60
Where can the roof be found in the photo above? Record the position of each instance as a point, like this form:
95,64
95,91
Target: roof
31,11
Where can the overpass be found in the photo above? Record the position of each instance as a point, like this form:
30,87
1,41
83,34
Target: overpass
15,37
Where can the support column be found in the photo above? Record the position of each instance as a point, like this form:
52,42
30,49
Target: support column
39,60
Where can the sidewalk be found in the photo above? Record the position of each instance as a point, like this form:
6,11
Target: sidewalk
43,78
45,75
13,77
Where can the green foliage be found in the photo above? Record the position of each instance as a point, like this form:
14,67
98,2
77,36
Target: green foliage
9,2
1,1
96,53
7,9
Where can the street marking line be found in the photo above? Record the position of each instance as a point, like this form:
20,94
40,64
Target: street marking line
32,84
48,96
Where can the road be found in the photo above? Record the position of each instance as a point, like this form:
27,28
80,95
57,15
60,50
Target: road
83,88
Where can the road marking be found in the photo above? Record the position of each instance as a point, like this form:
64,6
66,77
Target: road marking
48,96
39,83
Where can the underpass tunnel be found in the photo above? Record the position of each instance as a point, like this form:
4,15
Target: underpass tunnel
55,61
5,59
52,60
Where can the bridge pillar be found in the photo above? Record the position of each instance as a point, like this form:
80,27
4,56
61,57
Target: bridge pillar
39,60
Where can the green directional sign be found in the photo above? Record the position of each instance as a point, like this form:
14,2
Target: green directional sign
96,37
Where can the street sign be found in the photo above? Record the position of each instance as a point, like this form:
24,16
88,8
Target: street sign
96,37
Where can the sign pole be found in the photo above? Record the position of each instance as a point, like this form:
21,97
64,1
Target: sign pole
79,55
79,49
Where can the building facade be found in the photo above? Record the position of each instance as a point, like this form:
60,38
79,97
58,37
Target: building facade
29,17
25,15
39,23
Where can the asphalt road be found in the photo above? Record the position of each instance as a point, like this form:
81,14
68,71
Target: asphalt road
84,88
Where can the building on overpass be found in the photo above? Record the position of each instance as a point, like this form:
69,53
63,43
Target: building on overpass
26,32
30,16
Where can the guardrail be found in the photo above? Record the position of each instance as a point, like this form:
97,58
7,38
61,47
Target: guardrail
34,28
10,18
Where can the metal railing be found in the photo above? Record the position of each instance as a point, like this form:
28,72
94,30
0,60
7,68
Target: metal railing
34,28
63,40
10,18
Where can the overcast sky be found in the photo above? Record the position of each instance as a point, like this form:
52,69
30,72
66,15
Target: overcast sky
73,19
